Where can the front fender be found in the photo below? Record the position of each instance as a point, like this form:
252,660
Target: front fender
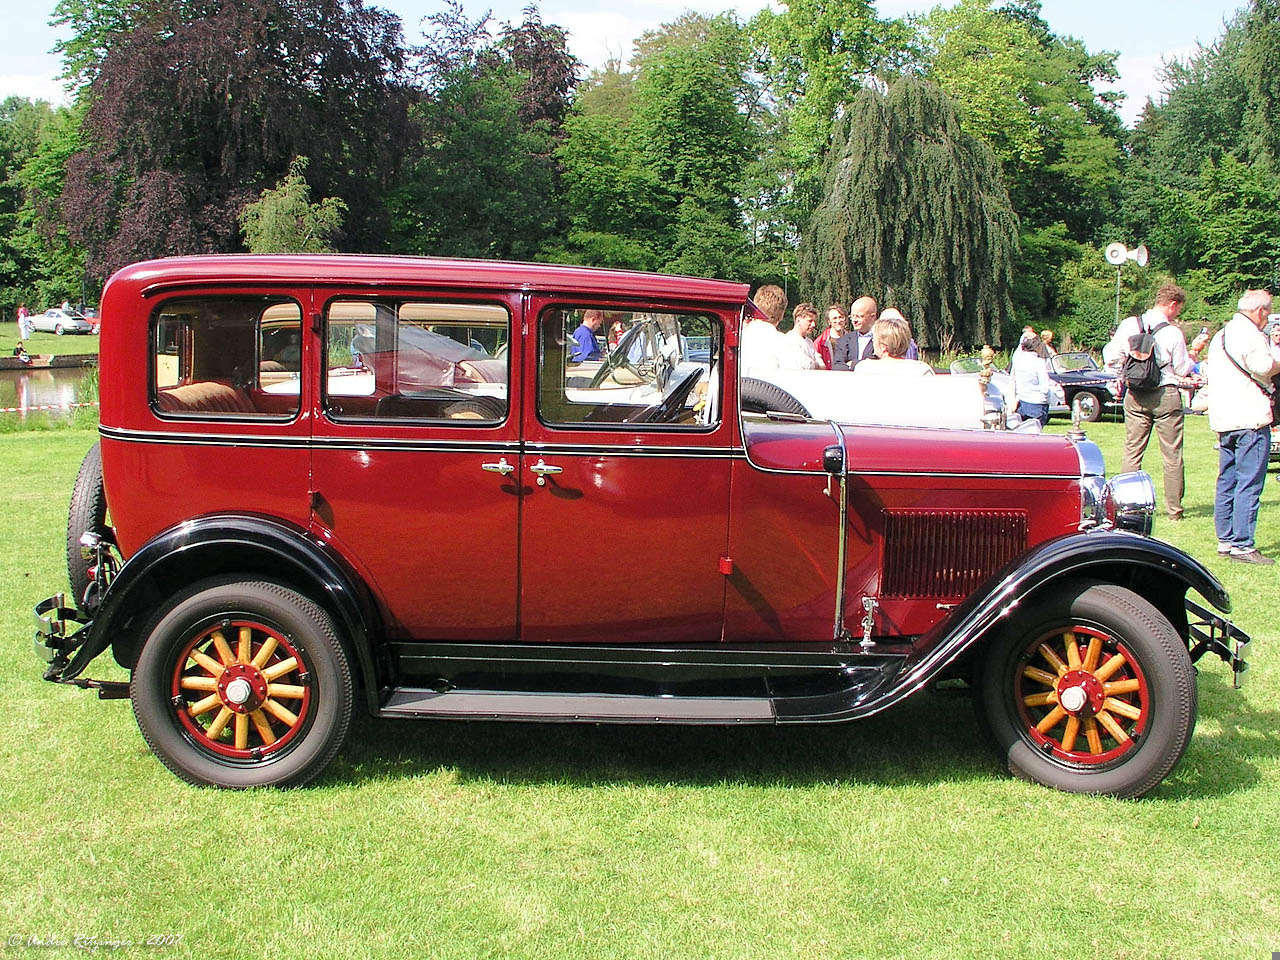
226,543
1158,569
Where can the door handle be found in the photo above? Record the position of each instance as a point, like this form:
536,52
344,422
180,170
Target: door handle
502,468
542,469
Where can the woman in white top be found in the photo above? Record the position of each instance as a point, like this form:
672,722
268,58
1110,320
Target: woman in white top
1031,381
892,337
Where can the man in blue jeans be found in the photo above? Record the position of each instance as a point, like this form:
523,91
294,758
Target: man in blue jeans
1240,370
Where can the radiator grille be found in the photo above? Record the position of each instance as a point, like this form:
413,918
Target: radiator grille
947,553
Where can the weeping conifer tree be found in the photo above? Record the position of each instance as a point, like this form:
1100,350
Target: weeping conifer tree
914,213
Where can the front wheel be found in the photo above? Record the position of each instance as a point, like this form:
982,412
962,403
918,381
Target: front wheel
1090,690
242,684
58,329
1086,406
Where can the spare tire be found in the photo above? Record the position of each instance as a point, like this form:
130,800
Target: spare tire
88,513
761,396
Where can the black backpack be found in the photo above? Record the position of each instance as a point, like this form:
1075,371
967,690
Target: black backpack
1141,371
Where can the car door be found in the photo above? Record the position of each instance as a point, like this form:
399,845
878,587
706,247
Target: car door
416,447
625,476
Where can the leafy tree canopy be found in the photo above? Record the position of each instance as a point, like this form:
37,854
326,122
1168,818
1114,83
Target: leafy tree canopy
201,105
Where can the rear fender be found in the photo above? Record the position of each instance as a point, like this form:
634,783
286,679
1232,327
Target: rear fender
230,543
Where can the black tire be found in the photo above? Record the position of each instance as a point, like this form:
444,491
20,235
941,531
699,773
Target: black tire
57,328
88,513
761,396
1087,404
1155,664
301,631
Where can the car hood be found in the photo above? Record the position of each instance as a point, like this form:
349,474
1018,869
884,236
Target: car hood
797,446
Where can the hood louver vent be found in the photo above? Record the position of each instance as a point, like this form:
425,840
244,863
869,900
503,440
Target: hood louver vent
947,553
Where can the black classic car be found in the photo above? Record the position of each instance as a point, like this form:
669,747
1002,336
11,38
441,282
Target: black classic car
1088,388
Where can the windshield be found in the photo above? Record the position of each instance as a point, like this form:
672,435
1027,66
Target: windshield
1069,362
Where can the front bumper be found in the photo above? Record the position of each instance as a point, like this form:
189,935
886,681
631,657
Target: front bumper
1210,633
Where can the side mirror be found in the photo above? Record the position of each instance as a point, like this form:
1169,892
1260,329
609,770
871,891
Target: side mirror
833,459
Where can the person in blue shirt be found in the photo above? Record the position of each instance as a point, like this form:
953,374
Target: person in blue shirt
583,345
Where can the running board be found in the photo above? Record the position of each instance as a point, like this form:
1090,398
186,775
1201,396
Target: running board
576,707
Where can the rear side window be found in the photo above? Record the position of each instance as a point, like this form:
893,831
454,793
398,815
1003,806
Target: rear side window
392,359
226,357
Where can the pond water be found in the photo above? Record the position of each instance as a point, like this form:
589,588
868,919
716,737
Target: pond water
51,391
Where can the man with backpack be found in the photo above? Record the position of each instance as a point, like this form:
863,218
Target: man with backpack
1241,366
1152,355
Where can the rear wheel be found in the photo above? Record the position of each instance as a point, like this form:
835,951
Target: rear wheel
1089,691
242,684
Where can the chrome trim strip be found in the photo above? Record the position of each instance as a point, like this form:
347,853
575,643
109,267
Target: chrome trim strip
838,632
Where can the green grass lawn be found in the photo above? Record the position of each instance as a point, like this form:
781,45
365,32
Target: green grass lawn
898,836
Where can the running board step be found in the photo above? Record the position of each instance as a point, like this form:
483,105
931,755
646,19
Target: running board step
576,707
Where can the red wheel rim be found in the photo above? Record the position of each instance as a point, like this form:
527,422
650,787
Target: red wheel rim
241,689
1082,696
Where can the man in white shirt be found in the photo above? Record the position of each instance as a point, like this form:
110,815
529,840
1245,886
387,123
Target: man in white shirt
1241,366
805,354
1159,408
762,347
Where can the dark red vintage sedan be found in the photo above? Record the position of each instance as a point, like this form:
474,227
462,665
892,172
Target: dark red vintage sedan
342,480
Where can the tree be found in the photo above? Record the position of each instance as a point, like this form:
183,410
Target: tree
284,220
203,105
483,179
654,176
1237,210
1027,93
914,213
38,262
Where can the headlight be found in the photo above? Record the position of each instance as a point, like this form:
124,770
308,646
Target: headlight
1129,502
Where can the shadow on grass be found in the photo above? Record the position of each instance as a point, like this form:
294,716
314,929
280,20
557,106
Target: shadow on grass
927,740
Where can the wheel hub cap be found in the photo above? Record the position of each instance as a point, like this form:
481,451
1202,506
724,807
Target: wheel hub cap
242,687
238,691
1080,693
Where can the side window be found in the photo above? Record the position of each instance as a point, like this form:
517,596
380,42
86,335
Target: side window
602,366
224,357
416,360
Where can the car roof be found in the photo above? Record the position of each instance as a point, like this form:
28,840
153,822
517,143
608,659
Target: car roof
152,276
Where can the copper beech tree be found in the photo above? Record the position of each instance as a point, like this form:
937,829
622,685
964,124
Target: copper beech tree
196,108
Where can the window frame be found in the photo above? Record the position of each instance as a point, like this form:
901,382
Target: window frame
269,299
398,299
582,303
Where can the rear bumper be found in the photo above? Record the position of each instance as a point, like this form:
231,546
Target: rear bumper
60,630
1210,633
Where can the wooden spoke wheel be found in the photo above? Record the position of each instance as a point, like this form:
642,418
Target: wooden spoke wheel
242,683
1089,689
1083,697
245,697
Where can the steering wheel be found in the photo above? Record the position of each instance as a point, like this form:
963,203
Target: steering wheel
672,403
